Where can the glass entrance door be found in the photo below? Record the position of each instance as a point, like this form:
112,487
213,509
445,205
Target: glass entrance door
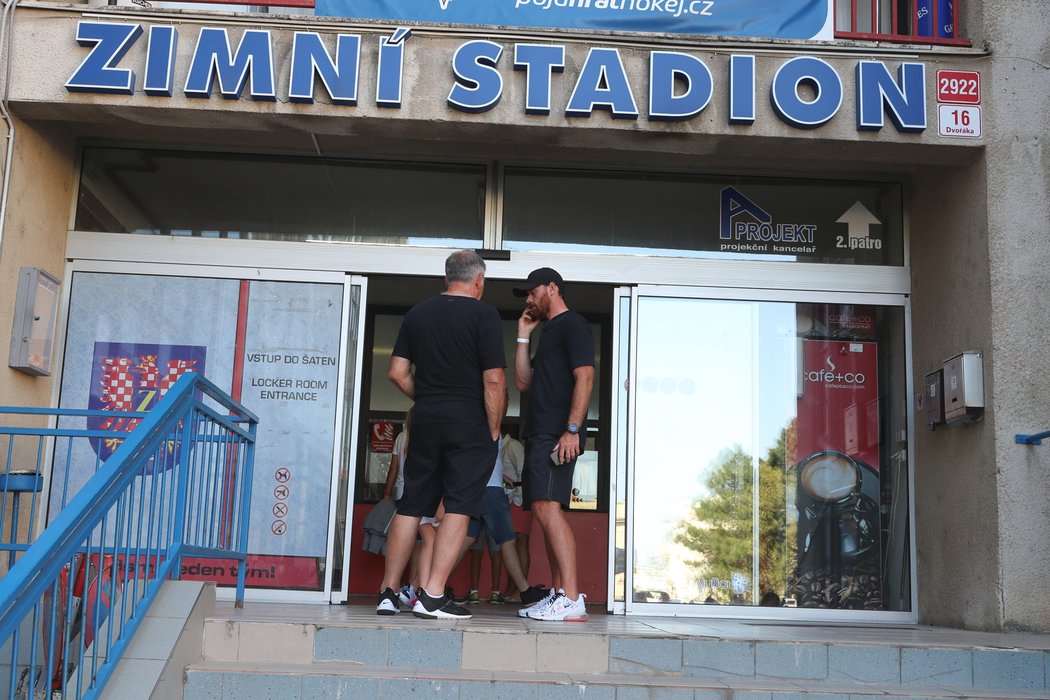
279,342
760,468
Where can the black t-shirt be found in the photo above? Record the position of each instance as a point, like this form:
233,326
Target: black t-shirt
451,340
565,344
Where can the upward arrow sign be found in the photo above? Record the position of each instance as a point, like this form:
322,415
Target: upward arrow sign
858,220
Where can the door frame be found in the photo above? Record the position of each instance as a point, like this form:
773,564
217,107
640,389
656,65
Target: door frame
347,430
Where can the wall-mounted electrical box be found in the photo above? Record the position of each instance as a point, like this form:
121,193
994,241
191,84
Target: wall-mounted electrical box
964,388
33,331
932,399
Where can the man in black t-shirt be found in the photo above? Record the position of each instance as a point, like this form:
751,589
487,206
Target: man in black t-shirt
459,387
559,380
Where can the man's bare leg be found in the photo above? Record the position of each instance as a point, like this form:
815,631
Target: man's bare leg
400,539
426,555
515,576
552,561
447,547
413,562
521,545
496,566
561,544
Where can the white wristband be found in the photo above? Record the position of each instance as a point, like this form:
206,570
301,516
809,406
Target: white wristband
523,341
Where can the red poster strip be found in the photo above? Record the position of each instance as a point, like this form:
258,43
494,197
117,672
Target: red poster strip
264,571
239,345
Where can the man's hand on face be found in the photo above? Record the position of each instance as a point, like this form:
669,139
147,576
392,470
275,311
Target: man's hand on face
528,322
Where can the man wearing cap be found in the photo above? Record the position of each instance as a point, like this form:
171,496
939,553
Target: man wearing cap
455,343
559,378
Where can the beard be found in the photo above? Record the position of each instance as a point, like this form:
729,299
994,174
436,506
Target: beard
537,312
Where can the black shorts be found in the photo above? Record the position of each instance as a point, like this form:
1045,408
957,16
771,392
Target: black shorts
450,461
542,479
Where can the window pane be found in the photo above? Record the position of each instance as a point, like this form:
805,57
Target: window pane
660,214
132,331
233,195
764,437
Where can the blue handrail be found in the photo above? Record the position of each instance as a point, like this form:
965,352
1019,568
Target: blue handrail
1036,439
178,485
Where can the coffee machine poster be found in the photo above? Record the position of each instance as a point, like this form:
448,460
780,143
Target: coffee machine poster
838,402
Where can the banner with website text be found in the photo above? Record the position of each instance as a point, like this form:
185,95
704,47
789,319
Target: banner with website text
788,19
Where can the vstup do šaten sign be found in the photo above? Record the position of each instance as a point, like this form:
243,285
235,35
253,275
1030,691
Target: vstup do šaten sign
680,85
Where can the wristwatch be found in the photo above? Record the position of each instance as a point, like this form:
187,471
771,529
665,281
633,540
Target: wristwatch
573,428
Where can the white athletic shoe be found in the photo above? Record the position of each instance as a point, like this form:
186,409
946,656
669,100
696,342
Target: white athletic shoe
562,609
407,595
543,602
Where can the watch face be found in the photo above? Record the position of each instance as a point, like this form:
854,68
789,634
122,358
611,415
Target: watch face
573,428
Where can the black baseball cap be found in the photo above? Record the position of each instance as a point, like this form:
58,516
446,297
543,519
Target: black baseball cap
536,278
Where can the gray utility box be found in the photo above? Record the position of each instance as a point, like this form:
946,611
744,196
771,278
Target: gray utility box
964,388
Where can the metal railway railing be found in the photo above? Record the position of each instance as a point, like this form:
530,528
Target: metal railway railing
177,485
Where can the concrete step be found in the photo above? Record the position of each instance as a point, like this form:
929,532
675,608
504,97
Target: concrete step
358,654
246,681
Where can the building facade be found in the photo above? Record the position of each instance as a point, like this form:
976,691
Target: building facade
779,242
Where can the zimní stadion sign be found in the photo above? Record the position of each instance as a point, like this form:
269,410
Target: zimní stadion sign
805,91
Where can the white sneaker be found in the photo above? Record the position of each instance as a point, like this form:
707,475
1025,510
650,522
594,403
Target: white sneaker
562,609
541,603
407,595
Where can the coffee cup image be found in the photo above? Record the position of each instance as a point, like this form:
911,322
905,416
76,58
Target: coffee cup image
838,523
829,476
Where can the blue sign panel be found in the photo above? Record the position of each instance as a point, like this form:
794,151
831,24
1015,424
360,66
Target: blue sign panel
787,19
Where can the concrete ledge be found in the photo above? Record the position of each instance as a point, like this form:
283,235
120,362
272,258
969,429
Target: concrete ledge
235,680
606,646
169,640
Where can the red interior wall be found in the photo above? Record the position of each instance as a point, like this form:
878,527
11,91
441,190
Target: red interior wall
592,555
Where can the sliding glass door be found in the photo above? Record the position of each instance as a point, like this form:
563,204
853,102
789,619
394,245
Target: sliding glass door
762,468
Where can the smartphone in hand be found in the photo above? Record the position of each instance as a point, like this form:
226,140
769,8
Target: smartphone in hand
555,457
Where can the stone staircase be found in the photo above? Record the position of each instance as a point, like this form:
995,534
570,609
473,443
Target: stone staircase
307,652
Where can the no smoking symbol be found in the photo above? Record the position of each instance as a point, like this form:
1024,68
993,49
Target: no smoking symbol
282,475
279,527
280,509
280,493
